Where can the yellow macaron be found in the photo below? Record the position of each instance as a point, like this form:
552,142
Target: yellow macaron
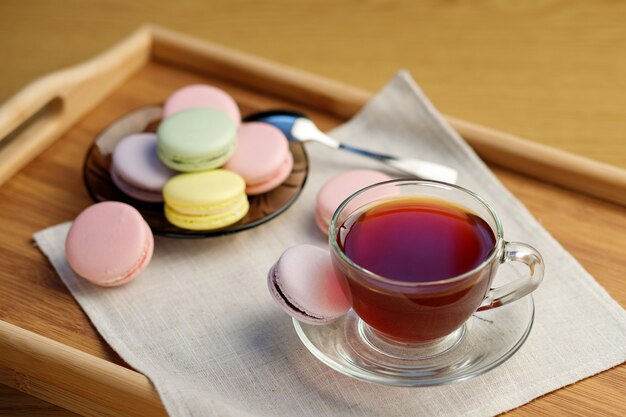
205,200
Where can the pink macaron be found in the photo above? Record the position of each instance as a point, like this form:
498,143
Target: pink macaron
304,284
262,157
340,187
136,168
109,244
200,95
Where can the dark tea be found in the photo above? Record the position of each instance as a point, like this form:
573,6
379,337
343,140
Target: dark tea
420,241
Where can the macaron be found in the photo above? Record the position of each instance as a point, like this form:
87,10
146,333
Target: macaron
340,187
262,157
200,95
136,168
109,244
205,200
304,284
196,139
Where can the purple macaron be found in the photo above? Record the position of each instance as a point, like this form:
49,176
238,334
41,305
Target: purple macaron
304,284
136,168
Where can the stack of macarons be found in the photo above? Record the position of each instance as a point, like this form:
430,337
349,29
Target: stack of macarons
203,161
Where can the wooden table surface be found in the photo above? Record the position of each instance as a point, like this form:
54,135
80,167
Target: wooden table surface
551,71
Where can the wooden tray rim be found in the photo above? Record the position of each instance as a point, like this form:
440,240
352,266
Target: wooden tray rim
29,124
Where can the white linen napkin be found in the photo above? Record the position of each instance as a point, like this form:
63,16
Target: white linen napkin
200,323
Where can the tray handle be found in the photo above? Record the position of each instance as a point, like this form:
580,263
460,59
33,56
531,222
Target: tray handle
36,116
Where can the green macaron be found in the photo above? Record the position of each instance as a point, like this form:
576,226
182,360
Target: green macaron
196,139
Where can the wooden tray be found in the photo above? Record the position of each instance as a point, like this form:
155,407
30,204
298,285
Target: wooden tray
49,349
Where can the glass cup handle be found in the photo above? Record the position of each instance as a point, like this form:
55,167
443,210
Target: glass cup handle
526,254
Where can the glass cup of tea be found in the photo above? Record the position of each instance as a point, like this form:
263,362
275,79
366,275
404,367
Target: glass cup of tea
419,258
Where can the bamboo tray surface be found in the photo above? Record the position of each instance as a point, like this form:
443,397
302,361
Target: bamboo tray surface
49,190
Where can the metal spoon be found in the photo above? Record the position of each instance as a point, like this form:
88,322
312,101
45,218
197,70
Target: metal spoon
296,126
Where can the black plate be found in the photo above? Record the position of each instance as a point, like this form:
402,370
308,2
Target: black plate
263,207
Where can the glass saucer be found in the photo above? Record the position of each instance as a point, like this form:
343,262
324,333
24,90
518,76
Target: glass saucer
486,340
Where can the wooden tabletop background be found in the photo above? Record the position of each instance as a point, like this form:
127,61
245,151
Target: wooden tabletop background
551,71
